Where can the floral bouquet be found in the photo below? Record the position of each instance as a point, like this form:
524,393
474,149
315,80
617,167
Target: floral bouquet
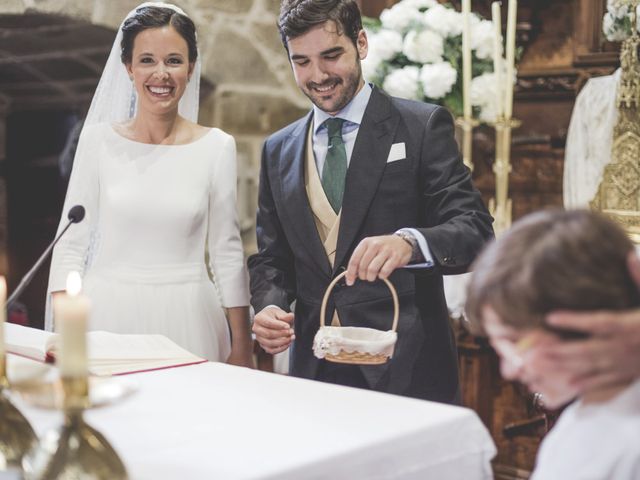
616,23
415,52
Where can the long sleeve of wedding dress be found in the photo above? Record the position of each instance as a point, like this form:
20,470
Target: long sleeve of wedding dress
72,251
224,245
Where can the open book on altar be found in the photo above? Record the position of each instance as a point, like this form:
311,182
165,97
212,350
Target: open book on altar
109,353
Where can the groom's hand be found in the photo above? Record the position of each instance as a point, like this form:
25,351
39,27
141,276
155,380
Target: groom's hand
378,257
272,327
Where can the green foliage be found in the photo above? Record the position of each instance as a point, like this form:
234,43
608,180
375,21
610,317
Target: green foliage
371,24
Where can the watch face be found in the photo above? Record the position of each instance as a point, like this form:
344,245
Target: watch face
416,254
408,237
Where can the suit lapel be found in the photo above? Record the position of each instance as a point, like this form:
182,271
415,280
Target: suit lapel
295,200
366,167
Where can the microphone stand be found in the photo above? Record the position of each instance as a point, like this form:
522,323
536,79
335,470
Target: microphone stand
31,273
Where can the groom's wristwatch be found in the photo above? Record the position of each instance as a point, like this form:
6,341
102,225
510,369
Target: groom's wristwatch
416,254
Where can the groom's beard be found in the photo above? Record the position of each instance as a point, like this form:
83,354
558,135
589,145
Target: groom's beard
344,91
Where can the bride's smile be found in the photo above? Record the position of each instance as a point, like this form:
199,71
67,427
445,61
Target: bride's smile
160,68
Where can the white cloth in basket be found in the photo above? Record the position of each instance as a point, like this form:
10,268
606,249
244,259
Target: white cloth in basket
331,340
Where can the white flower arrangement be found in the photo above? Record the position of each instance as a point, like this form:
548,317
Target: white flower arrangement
438,79
415,52
483,95
423,47
616,23
403,82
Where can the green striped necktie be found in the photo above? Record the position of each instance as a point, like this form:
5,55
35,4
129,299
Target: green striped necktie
334,171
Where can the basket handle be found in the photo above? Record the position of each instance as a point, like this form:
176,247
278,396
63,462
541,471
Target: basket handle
394,295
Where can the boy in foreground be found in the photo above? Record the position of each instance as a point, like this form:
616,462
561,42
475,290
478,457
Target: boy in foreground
549,261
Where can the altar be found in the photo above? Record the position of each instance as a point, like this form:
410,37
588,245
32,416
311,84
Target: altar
218,421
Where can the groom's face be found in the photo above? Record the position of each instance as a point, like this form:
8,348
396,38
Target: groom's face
326,65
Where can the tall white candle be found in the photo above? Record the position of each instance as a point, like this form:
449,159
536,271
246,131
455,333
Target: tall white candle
466,58
3,313
497,56
71,312
511,56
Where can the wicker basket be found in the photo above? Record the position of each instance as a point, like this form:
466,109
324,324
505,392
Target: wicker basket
355,345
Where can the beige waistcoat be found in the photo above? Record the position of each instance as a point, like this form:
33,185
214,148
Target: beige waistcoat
326,220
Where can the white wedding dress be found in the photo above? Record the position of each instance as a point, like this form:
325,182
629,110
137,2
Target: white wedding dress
159,248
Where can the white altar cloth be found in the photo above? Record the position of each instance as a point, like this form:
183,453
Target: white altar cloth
217,421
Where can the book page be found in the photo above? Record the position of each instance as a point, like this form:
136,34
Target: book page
28,342
113,354
109,353
112,346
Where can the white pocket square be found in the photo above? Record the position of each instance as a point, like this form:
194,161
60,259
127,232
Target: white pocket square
397,152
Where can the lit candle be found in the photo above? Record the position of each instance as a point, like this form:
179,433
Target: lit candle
71,311
511,57
466,58
3,313
497,55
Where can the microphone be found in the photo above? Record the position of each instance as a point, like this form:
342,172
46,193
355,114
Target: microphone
76,215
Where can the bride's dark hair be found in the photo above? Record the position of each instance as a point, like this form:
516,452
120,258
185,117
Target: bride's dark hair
156,17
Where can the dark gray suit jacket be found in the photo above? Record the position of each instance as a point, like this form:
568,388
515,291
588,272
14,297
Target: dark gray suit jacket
430,190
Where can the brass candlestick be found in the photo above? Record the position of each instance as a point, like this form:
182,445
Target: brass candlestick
500,205
75,450
16,434
467,125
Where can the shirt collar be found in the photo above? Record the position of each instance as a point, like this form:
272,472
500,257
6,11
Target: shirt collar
352,112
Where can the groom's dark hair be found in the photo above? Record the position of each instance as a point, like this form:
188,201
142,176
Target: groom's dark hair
297,17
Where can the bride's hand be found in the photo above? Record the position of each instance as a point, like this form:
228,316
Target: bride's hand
241,343
241,355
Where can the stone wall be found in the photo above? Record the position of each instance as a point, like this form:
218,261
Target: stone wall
242,56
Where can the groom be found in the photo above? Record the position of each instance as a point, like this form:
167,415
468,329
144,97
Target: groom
369,184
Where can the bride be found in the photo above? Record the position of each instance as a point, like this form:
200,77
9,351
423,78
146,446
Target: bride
159,249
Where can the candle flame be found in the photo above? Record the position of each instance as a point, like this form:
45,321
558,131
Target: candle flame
74,283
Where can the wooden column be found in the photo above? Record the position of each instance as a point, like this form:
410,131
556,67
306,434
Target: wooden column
4,111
